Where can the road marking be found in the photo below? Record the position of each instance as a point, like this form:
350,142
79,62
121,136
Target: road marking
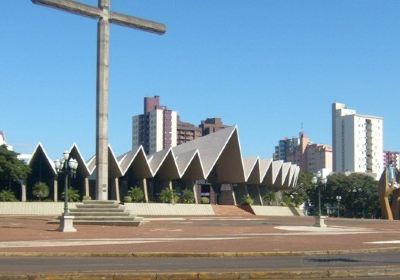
101,241
384,242
323,229
166,229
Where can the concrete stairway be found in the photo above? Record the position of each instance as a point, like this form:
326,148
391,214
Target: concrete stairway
230,210
108,212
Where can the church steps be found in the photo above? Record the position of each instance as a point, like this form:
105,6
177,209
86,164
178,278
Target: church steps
116,214
92,212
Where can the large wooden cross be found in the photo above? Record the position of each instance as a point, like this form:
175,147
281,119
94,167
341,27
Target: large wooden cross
105,17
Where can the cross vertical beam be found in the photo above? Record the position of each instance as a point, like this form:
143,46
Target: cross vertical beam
103,62
105,17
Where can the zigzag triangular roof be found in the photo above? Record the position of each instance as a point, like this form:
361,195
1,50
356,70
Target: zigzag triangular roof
265,165
252,170
292,171
40,149
210,147
285,173
168,168
113,164
80,159
194,170
155,160
125,160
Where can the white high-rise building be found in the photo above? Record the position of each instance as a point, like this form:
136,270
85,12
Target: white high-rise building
156,128
357,141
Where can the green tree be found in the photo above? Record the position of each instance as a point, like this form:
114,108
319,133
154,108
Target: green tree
41,190
73,195
136,194
358,192
12,170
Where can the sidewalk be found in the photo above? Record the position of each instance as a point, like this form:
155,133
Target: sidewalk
199,236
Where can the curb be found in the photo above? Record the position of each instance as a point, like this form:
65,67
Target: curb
200,254
336,273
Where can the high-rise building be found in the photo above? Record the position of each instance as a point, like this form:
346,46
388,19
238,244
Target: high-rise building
286,150
187,132
391,157
357,141
308,156
156,128
211,125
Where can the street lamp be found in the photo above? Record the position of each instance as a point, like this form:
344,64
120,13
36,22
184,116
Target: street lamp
319,222
338,199
355,191
66,166
323,180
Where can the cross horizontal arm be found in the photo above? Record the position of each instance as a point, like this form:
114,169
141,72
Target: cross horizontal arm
138,23
71,6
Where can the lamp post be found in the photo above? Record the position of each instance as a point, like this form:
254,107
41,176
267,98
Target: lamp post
66,166
338,199
319,220
355,191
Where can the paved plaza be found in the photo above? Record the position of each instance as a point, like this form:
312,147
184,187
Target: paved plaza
250,235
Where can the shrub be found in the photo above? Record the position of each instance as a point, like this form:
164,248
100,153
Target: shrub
269,198
168,196
127,199
246,200
7,195
187,196
205,200
136,194
40,190
73,195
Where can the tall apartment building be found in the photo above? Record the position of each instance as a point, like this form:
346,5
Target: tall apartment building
391,157
156,128
309,157
357,141
211,125
187,132
286,150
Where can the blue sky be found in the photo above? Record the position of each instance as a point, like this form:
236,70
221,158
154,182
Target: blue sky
267,66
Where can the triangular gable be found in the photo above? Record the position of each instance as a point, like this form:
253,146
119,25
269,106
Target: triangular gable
125,160
210,147
155,160
136,163
183,160
276,167
292,171
91,164
283,179
194,171
265,165
228,167
113,167
168,168
295,177
252,170
76,154
39,149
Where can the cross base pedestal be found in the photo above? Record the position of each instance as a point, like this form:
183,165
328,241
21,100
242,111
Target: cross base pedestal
319,221
66,223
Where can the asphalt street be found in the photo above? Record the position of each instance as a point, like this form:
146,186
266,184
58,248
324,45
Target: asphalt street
199,264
